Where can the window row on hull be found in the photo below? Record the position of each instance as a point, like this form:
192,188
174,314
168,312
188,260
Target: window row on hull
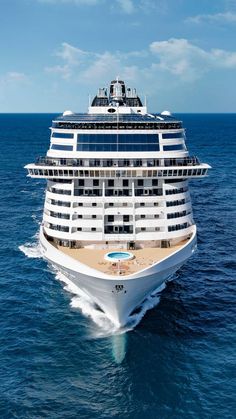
175,203
118,147
171,215
60,203
109,147
114,218
122,229
176,191
57,215
66,135
117,138
62,147
117,192
174,147
118,205
112,204
178,227
112,138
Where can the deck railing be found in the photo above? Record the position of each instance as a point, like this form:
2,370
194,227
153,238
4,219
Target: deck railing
185,161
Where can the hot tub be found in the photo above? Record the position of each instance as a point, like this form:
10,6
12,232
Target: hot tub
118,256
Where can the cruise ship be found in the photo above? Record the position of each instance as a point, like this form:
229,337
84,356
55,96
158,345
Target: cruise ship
117,218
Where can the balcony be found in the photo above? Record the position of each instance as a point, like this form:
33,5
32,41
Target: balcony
87,192
118,229
167,172
148,192
123,163
118,192
59,191
114,205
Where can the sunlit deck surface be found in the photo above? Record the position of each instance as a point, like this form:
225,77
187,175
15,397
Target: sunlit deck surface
143,258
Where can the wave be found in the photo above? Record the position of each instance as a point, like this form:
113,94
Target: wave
31,249
88,308
150,302
37,218
106,327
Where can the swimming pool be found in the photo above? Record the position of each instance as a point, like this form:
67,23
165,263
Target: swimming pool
117,256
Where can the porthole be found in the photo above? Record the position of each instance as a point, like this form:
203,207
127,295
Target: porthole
111,110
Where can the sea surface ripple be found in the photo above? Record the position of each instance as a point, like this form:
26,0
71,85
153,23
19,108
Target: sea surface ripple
179,359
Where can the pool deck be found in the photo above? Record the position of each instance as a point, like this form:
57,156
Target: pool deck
143,258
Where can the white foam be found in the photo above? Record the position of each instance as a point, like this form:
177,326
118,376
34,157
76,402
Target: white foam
148,304
89,309
36,236
31,250
119,347
105,327
37,218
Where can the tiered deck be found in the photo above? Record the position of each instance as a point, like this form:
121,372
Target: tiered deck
143,258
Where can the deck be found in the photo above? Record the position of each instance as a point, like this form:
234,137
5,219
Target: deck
143,258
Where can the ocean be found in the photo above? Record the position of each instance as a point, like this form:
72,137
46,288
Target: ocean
60,358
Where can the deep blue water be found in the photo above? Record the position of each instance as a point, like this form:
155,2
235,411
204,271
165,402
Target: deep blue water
179,360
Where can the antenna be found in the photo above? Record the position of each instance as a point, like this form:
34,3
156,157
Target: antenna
89,100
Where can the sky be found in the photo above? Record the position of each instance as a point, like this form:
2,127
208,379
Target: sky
180,54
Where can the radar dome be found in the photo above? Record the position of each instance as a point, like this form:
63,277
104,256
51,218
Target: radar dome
67,113
166,113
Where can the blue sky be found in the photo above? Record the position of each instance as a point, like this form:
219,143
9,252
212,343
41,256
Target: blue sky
181,54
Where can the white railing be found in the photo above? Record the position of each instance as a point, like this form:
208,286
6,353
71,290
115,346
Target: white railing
165,172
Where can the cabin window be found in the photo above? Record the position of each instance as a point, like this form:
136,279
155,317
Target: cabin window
62,147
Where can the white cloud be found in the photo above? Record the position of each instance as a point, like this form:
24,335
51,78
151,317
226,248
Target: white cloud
160,6
173,59
127,6
101,66
72,58
63,70
222,58
227,17
180,58
187,61
76,2
71,54
13,77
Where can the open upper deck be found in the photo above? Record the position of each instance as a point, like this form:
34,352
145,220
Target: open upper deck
143,258
116,120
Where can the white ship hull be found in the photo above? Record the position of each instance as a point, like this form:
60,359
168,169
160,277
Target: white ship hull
117,296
